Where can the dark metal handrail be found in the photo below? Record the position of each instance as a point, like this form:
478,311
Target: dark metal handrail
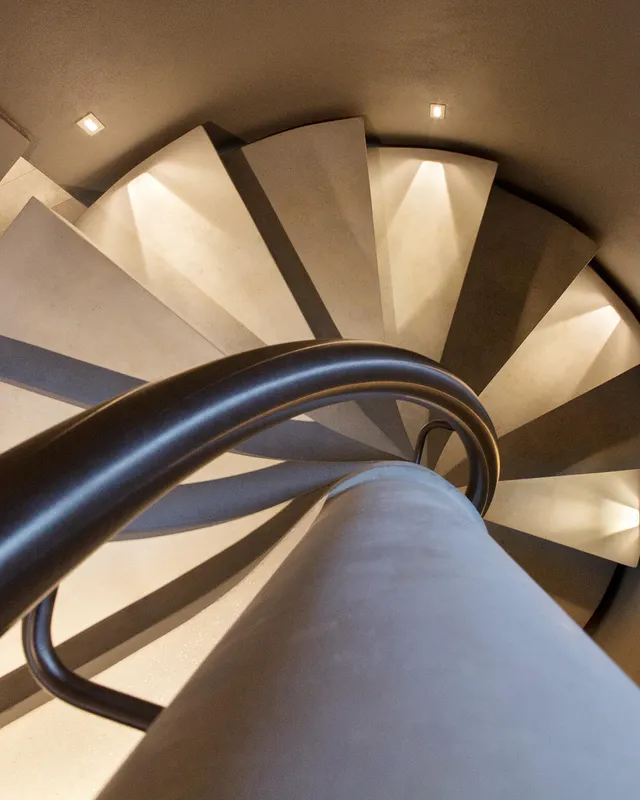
80,482
47,669
68,491
71,488
436,424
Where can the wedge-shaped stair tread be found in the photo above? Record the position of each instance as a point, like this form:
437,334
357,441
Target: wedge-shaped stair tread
523,261
308,193
596,513
427,206
64,295
596,432
178,226
588,338
61,293
317,182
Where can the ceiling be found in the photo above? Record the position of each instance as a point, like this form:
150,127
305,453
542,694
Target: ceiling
549,89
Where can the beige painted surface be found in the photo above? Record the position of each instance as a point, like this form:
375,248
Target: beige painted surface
24,181
177,225
317,181
596,513
586,339
61,293
76,752
427,206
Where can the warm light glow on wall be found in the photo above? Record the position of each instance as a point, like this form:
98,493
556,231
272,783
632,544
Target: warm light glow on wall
437,111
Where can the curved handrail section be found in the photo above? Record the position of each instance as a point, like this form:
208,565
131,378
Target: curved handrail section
47,669
70,489
436,424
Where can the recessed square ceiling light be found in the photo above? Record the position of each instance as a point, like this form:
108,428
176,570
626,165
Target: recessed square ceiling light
90,124
437,110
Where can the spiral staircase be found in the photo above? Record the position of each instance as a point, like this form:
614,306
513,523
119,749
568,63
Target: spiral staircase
313,233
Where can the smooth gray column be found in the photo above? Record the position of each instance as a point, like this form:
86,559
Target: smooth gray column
399,653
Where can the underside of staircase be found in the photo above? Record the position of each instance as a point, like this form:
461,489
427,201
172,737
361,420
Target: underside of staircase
314,233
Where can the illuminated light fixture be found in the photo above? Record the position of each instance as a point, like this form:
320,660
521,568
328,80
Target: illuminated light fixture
437,111
90,124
